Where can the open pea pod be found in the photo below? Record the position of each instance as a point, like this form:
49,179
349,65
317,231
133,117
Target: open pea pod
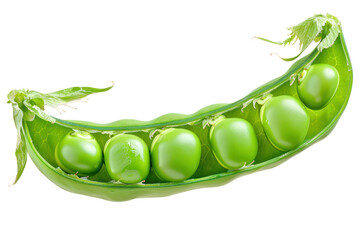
39,133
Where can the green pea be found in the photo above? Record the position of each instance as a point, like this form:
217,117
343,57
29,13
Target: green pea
79,153
285,122
233,142
127,158
175,154
318,85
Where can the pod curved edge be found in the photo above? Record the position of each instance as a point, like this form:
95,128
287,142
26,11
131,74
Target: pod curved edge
122,192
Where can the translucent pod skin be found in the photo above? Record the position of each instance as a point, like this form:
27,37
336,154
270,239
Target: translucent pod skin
285,121
175,154
233,142
39,133
127,158
79,153
318,86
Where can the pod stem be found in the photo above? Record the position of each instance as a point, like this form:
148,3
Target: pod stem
27,104
154,132
302,75
322,29
264,99
211,121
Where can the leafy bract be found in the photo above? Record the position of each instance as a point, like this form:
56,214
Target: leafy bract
27,104
319,28
20,152
64,96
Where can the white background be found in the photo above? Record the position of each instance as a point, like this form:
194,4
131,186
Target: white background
173,56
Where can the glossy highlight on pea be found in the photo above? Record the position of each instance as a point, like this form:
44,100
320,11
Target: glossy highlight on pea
233,142
177,152
79,153
127,158
285,122
318,85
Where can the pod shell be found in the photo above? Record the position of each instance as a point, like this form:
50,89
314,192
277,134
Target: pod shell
318,86
285,121
123,192
233,142
127,158
175,154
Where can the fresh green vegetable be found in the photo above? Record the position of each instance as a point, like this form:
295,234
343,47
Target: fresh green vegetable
317,85
127,158
79,153
39,134
233,142
285,121
175,154
27,104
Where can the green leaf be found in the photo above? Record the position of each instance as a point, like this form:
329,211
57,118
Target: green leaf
332,33
323,28
64,96
20,152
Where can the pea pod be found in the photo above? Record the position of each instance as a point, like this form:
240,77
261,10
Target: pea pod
34,125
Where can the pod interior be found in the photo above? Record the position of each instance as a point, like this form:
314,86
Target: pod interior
45,135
